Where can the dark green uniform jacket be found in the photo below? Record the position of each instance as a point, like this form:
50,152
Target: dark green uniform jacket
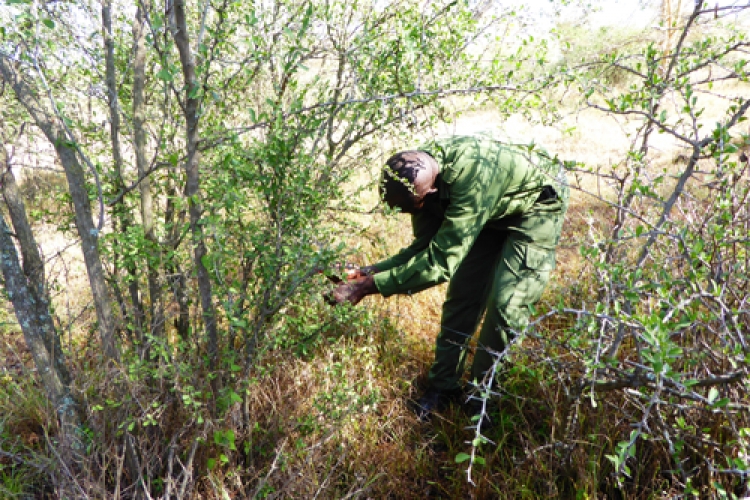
480,182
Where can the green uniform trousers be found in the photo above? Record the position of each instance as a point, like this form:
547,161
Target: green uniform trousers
504,273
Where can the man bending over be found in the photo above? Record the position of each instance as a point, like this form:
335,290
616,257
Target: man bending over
486,217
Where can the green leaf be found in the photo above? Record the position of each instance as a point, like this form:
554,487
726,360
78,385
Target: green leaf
157,22
614,459
165,75
462,457
206,261
721,403
239,323
48,23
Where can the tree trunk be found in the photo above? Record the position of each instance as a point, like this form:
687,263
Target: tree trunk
66,151
156,304
192,189
36,323
33,269
120,210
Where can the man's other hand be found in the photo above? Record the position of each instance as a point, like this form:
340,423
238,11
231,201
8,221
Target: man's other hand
352,290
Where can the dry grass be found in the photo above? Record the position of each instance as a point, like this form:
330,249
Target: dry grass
302,433
334,422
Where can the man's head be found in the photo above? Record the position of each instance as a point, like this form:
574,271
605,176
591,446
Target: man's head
408,179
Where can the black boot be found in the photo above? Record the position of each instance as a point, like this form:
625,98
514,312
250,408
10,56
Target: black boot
434,401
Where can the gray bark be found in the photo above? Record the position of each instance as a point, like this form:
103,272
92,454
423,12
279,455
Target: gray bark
120,211
192,189
33,269
156,305
36,322
67,152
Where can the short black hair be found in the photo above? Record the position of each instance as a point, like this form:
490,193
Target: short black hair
400,172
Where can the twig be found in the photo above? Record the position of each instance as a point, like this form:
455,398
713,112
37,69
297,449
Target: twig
274,465
187,470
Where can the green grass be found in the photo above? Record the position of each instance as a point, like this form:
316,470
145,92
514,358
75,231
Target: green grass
24,422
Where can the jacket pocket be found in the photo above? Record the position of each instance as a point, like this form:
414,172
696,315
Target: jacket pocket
539,259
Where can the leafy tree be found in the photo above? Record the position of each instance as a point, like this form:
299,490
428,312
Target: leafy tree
664,326
215,142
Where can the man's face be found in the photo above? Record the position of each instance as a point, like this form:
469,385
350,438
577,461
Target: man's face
407,204
413,202
410,196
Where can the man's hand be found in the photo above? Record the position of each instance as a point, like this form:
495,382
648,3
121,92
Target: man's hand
352,290
353,273
348,272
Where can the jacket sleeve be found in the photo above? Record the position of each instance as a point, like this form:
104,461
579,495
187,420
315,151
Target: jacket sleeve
468,211
424,227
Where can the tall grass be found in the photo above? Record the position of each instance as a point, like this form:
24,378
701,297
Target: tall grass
330,419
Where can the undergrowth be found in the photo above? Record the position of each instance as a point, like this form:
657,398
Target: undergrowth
324,413
334,422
